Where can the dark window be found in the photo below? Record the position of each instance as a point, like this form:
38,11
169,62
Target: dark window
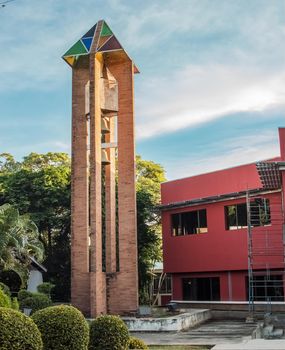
236,215
267,288
201,288
189,223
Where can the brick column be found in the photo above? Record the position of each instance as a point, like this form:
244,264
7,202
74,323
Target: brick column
97,277
123,288
79,191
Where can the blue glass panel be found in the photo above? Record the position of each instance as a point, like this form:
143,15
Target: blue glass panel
87,42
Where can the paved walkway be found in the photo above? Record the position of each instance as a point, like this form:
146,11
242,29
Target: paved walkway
209,333
255,344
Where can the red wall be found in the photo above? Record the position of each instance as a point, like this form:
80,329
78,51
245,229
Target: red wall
206,185
218,249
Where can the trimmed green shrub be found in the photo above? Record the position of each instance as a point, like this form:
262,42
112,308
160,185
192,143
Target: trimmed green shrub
108,333
63,328
5,300
36,301
23,294
18,332
46,288
14,304
135,343
5,289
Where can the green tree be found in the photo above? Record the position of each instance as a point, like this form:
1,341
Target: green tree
19,239
40,185
149,176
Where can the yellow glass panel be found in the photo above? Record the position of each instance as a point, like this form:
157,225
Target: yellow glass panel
70,60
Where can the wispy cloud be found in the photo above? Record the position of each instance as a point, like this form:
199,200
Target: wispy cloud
200,59
35,34
232,152
198,94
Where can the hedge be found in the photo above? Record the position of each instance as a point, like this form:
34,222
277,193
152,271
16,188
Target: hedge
135,343
5,289
23,294
5,300
15,304
63,328
46,288
18,332
108,333
35,302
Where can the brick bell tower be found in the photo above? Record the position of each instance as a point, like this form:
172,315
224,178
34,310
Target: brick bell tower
104,239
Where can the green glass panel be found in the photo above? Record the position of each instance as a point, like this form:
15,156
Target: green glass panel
77,49
106,30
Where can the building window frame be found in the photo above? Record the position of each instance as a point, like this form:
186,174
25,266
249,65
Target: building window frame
189,223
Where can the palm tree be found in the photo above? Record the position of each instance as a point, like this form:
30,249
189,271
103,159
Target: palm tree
19,240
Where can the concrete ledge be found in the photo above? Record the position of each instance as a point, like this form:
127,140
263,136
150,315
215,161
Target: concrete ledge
256,344
229,305
168,324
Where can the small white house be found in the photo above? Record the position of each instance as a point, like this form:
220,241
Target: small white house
36,275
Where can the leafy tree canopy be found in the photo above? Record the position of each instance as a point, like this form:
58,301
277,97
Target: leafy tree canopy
19,240
149,177
40,185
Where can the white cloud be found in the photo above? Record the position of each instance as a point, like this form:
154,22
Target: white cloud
198,94
234,152
35,34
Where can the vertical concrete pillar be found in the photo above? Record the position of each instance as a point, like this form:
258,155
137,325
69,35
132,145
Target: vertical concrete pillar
125,283
97,277
79,198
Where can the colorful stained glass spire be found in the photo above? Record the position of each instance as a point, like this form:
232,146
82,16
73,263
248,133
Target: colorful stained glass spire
100,36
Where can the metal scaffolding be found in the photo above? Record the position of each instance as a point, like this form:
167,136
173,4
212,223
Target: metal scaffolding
266,255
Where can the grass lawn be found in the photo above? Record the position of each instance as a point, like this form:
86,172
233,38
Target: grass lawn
178,347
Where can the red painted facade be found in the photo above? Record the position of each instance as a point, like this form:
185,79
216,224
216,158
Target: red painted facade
220,252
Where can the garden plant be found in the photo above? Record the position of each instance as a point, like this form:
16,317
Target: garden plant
108,333
18,332
62,327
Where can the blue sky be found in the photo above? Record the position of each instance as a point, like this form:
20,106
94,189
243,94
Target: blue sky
210,95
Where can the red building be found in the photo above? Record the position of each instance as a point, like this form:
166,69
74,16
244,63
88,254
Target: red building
223,231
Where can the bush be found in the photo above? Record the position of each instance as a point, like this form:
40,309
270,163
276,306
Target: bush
5,301
135,343
14,304
63,328
46,288
36,301
5,289
23,294
18,332
108,333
